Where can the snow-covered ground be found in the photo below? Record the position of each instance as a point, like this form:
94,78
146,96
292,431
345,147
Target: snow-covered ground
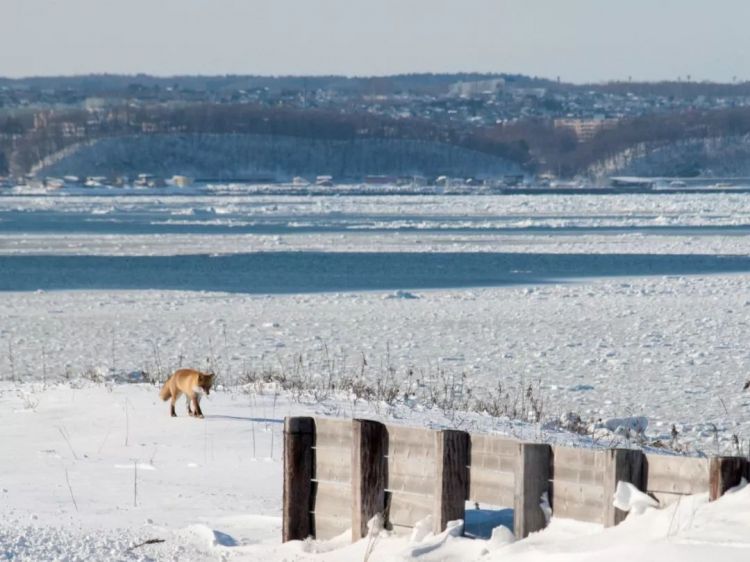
671,348
88,471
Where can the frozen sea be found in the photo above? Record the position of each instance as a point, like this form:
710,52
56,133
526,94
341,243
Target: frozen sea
615,305
262,244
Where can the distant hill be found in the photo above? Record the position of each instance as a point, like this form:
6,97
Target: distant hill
226,156
226,139
99,84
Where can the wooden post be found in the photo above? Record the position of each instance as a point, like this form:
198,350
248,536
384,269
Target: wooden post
451,477
369,467
725,473
622,465
533,474
299,437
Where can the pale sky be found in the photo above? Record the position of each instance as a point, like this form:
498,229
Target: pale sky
578,40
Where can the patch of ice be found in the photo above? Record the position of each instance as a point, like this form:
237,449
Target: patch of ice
140,466
545,506
421,529
399,294
501,536
635,424
629,498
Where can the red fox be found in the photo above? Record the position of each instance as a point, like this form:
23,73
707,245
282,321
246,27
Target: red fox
190,382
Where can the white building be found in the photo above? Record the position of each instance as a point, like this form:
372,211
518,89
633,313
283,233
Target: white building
476,88
585,129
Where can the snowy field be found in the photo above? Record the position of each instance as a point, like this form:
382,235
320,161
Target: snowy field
90,471
614,307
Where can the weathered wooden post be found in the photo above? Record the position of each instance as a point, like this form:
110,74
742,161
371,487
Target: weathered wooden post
622,465
299,438
451,477
726,473
369,446
532,479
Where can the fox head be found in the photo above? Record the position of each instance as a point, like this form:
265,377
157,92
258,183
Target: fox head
205,380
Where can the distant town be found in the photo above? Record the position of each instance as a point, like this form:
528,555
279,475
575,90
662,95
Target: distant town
495,131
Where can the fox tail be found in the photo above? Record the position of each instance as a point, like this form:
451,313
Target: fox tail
165,393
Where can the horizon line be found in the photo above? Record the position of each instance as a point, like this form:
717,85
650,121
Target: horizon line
554,80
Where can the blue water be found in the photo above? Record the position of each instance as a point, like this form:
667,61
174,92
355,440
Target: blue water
296,272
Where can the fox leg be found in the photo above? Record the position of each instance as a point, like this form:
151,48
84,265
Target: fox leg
187,402
197,406
175,396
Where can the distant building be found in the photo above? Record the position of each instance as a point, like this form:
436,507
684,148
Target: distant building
380,180
633,182
72,130
538,93
94,104
324,181
181,181
585,129
41,119
476,88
